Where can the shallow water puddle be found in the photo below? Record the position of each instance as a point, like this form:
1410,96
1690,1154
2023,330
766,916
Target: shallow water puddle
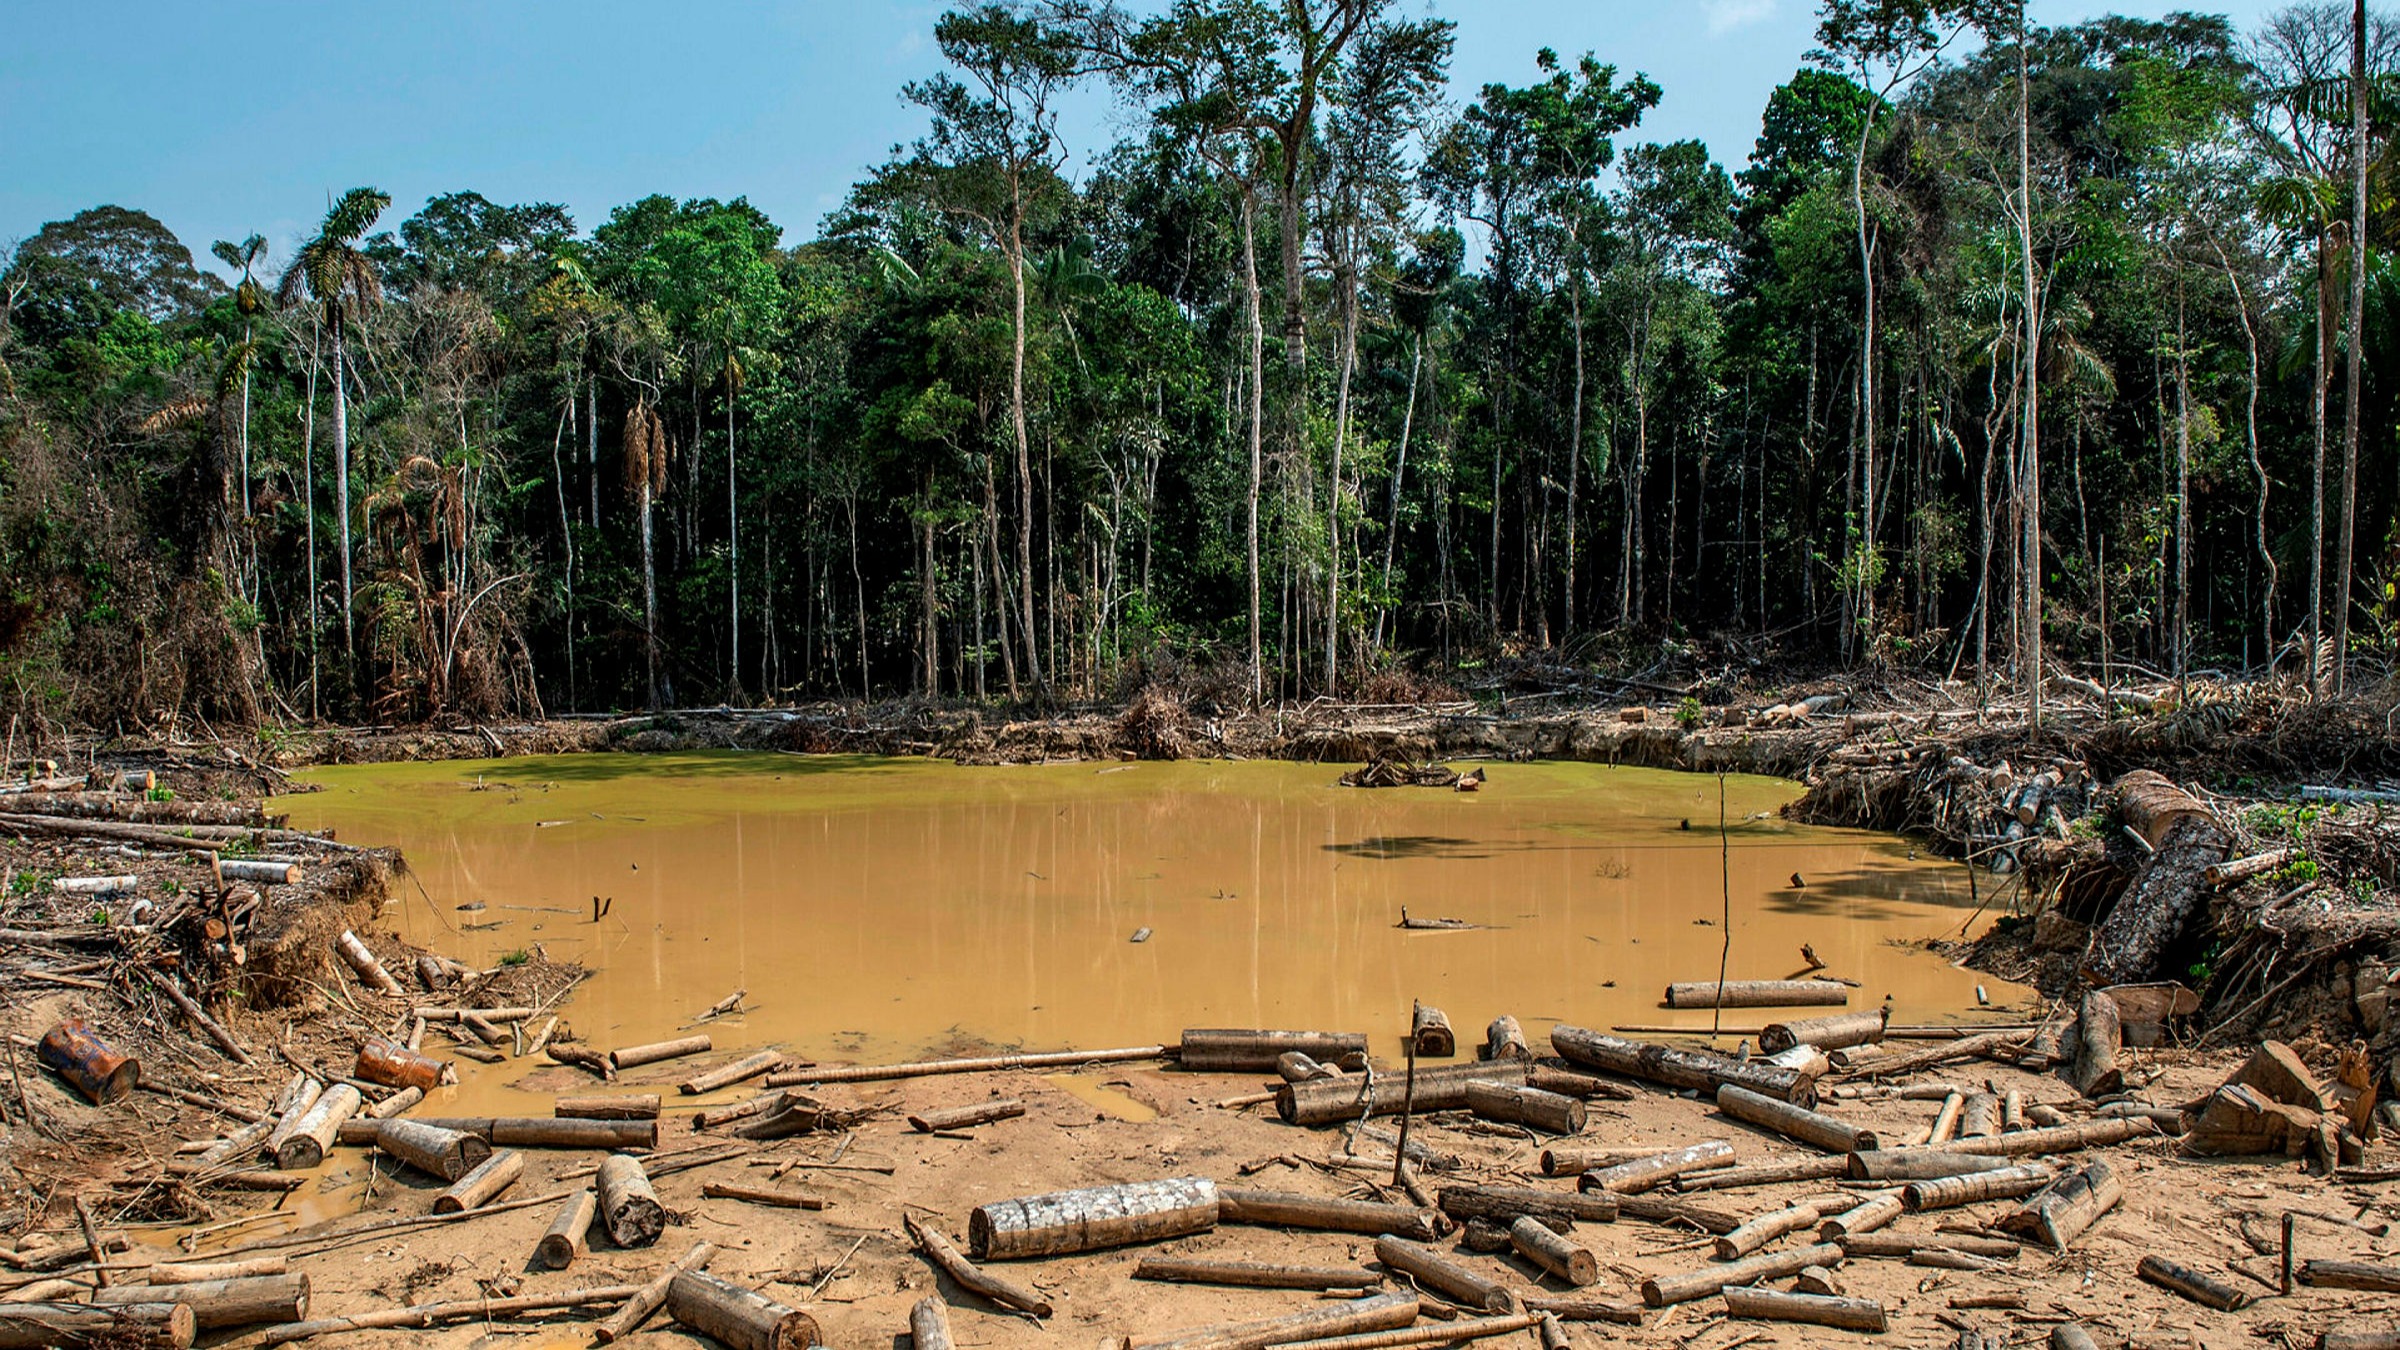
879,909
1107,1100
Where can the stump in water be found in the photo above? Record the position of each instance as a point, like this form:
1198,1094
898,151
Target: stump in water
2185,841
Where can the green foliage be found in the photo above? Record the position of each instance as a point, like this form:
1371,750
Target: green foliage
1688,714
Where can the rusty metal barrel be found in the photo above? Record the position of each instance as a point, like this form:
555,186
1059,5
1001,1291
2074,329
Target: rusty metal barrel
71,1051
381,1061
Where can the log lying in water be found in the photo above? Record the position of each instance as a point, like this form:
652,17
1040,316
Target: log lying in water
448,1154
634,1056
749,1066
1757,994
1661,1291
1838,1031
739,1318
31,1326
1436,1271
1549,1112
1329,1100
314,1131
650,1297
567,1235
2064,1212
223,1303
1795,1122
1429,1029
1377,1312
969,1276
928,1068
1642,1174
1569,1261
1768,1305
1285,1209
628,1206
2006,1183
477,1188
1061,1223
966,1117
527,1131
1678,1068
1253,1274
1504,1039
630,1106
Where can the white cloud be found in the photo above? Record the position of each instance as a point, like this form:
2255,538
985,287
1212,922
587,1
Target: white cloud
1726,15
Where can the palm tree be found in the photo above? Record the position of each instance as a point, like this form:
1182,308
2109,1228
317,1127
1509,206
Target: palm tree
335,274
251,299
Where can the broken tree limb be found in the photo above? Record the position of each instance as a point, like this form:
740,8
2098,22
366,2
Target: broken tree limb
1061,1223
651,1297
1768,1305
1284,1209
1757,994
1504,1039
427,1314
1253,1274
472,1191
1680,1068
2177,1278
750,1066
966,1117
1054,1059
1795,1122
973,1278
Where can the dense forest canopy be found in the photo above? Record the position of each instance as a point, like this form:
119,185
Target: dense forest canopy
2011,349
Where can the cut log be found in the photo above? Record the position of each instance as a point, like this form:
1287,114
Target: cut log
1902,1246
528,1131
1660,1291
1569,1261
651,1297
969,1276
2242,869
200,1272
1061,1223
1376,1312
74,1053
477,1188
1642,1174
1253,1274
1572,1083
1285,1209
2006,1183
1679,1213
133,1326
634,1056
1795,1122
95,886
2066,1138
2064,1212
1757,994
1582,1308
1571,1160
1680,1068
1460,1332
2153,911
2349,1275
364,962
1765,1174
2072,1336
448,1154
1979,1116
1872,1212
269,871
929,1324
568,1234
313,1133
1818,1280
1549,1112
244,1302
742,1319
1833,1031
2152,806
1430,1269
1988,1044
1254,1051
1504,1039
2177,1278
1768,1305
1293,1067
966,1117
427,1314
1443,1088
2097,1039
1048,1059
629,1208
1429,1030
761,1195
1559,1210
640,1106
751,1066
242,1143
1766,1228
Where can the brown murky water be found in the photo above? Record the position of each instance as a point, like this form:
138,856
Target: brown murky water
878,909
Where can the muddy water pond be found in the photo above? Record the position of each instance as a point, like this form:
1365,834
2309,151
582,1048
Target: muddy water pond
883,908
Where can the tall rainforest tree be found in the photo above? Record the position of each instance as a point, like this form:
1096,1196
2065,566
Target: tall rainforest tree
251,299
335,274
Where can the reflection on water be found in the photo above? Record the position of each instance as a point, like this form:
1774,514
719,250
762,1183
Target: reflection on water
881,908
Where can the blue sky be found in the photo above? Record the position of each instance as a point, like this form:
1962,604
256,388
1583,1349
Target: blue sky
229,117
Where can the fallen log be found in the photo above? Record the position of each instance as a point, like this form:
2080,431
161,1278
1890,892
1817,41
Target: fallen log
1506,1204
32,1326
1905,1245
1284,1209
742,1319
427,1314
241,1302
312,1134
1447,1333
1757,994
2232,870
1253,1274
1376,1312
1680,1068
1504,1039
2185,842
714,1116
1660,1291
1837,1032
1578,1308
1228,1050
472,1191
2059,1215
760,1195
2177,1278
1642,1174
365,963
651,1297
1795,1122
1979,1115
1549,1112
1293,1067
581,1058
1987,1044
1431,1269
448,1154
95,886
1872,1212
1918,1164
1061,1223
1329,1100
751,1066
1765,1174
635,1106
2006,1183
629,1208
1680,1213
567,1236
261,871
966,1117
929,1324
876,1073
2066,1138
2350,1275
1569,1261
527,1131
1571,1083
1568,1160
1766,1228
199,1272
1768,1305
634,1056
971,1277
2097,1039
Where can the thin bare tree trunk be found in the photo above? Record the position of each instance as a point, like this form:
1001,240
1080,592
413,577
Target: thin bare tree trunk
341,465
2355,363
2029,633
1016,412
1258,360
1391,533
733,550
